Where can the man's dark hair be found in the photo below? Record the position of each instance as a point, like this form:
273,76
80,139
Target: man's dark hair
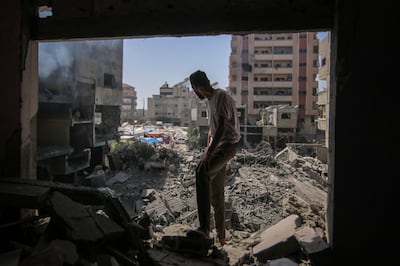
199,78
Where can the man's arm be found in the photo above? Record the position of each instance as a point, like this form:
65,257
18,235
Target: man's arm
219,133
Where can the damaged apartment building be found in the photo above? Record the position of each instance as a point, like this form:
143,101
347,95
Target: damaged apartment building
79,99
172,105
274,75
275,69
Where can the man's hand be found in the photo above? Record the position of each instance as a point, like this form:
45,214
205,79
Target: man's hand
199,166
202,164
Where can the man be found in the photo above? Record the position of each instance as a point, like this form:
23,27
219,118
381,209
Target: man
224,135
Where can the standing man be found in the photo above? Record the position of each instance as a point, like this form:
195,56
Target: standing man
223,138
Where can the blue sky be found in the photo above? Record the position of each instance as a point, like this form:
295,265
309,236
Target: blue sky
150,62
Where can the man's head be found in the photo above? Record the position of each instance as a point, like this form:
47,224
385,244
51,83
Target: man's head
200,84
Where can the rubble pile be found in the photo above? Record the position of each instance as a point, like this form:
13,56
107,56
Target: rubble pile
73,226
120,215
261,190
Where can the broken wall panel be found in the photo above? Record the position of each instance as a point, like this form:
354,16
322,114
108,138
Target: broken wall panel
80,93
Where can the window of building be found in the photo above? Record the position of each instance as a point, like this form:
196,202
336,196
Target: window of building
302,51
127,100
109,80
245,78
203,114
315,49
285,115
314,91
302,78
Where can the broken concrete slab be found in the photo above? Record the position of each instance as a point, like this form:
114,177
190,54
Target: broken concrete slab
69,250
111,230
190,245
10,258
22,195
317,250
237,255
79,224
278,240
120,177
282,262
97,179
163,257
51,256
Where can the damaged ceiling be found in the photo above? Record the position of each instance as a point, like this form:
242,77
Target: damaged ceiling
99,19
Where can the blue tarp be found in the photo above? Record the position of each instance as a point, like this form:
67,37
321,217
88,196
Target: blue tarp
151,140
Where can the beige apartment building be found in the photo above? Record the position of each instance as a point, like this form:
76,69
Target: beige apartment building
276,69
173,105
324,91
129,103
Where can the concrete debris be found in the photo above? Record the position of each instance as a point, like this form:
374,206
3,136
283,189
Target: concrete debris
314,246
282,262
278,240
137,211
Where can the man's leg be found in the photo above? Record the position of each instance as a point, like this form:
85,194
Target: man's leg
217,173
203,198
217,188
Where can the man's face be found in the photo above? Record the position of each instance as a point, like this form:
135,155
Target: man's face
199,92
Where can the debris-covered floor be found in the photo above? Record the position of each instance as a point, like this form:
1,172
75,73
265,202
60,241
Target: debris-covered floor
137,212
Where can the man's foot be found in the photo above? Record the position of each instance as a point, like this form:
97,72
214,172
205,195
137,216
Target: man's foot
198,233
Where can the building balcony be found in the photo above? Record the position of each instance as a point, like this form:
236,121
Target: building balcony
283,70
266,43
273,84
263,70
235,58
259,57
270,131
322,125
272,98
234,83
272,70
323,72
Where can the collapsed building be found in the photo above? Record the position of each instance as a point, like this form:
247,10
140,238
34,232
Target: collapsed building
80,94
139,211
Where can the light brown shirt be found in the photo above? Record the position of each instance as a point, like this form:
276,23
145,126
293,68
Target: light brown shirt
222,104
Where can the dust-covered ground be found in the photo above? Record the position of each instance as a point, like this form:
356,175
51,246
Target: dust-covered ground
262,188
